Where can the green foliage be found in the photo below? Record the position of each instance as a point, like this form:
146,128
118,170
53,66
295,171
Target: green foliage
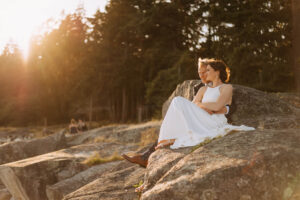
133,55
138,184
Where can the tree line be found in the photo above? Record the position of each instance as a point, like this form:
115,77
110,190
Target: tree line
122,64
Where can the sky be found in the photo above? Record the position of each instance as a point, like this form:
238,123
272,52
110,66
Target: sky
20,19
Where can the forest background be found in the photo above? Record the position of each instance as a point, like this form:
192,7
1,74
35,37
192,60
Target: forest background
122,64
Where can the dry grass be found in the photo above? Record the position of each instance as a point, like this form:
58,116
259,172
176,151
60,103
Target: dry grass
209,140
148,136
104,140
96,159
206,141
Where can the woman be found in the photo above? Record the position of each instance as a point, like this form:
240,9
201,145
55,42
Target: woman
189,123
73,127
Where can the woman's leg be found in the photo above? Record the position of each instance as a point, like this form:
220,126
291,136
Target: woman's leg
174,124
164,143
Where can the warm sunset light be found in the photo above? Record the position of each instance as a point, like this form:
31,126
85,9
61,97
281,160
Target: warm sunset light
20,19
149,99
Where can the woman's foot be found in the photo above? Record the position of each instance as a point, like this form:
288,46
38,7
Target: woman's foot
140,189
164,143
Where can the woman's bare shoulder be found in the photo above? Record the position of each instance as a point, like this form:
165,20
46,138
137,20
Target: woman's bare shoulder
226,87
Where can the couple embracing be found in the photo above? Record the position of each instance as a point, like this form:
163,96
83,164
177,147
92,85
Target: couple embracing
188,123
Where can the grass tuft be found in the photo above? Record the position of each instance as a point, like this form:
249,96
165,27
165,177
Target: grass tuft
138,184
206,141
96,159
104,139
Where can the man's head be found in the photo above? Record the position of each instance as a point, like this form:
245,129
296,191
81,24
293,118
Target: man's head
202,70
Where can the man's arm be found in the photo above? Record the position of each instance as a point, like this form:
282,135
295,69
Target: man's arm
222,111
198,97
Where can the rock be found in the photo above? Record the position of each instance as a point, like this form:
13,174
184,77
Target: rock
121,134
19,150
160,162
116,184
260,164
89,136
27,179
291,98
185,89
4,194
64,187
250,107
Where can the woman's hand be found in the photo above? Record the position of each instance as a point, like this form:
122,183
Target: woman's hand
204,108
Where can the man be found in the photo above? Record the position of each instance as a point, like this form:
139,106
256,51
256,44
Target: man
142,159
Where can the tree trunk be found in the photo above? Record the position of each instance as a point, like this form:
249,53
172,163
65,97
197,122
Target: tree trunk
91,111
124,105
296,41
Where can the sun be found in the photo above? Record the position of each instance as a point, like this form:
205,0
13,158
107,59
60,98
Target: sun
19,20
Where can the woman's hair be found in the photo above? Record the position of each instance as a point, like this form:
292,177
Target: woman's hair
217,65
73,121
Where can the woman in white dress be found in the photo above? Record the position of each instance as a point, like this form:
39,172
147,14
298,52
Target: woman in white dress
189,123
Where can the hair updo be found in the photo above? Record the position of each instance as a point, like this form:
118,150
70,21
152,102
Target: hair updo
217,65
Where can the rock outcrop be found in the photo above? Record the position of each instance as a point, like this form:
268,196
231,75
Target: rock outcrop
48,169
19,150
259,165
245,165
185,89
251,107
58,173
115,184
118,133
66,186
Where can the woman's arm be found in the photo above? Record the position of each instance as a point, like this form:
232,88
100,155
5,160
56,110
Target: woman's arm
198,97
224,98
222,111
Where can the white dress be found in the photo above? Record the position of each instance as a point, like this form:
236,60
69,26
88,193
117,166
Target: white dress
191,125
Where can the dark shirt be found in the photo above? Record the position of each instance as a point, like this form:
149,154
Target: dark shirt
73,129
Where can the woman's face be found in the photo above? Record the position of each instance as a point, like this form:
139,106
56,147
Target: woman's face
211,74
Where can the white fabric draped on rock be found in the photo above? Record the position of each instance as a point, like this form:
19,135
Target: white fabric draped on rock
191,125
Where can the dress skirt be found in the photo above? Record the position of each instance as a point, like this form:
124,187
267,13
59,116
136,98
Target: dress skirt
190,125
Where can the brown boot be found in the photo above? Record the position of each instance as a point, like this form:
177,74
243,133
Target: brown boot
136,159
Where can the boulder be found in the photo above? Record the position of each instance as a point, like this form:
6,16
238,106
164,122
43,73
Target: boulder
28,178
161,162
291,98
4,194
121,134
185,89
64,187
115,184
262,164
90,135
19,150
250,106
